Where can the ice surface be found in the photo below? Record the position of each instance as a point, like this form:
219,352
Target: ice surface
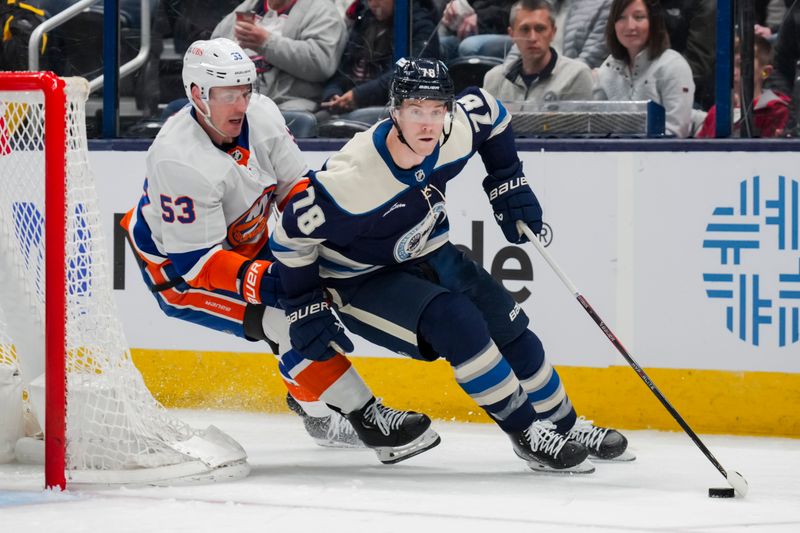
471,482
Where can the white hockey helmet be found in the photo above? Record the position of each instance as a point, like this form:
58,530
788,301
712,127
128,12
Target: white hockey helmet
216,63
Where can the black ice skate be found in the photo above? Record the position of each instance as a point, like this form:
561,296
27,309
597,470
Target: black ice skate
545,450
333,431
394,435
604,444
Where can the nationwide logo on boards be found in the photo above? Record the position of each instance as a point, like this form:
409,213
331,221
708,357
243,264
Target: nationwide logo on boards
753,244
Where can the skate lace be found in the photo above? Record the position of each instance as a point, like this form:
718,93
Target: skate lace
542,436
339,427
384,417
585,432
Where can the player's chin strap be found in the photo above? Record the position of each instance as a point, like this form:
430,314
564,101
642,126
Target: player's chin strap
207,118
403,139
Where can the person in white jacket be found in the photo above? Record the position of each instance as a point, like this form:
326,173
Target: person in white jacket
641,65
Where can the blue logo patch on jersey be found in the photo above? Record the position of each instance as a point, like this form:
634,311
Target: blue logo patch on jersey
420,175
412,242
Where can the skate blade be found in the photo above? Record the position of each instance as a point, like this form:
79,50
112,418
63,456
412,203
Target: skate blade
327,443
389,455
625,457
586,467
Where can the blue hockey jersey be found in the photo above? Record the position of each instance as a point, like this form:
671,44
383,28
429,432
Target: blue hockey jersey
362,212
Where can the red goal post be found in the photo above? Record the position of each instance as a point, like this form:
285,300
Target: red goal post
101,424
55,164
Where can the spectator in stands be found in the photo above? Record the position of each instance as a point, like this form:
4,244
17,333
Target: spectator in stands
475,28
770,108
641,65
691,25
769,16
540,74
787,54
296,45
581,30
191,20
365,70
343,7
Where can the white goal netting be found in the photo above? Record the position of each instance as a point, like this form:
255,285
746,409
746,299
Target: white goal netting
116,432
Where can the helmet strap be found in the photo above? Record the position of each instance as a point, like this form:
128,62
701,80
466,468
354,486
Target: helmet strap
451,116
207,117
400,135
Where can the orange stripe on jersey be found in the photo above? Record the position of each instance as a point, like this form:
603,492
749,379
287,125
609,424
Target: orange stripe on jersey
126,220
202,301
317,377
300,393
221,271
209,303
299,187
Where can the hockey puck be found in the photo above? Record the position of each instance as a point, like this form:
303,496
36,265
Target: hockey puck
721,492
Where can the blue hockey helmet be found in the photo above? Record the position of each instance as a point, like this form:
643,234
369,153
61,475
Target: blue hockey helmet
421,79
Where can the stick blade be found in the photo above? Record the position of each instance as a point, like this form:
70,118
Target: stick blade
738,483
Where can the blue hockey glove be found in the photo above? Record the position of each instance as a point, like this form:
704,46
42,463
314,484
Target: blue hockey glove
512,199
259,283
314,330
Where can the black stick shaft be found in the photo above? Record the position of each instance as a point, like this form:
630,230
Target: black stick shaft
642,374
620,348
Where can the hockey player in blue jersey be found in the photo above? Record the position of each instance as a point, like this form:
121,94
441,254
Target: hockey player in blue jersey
200,234
369,237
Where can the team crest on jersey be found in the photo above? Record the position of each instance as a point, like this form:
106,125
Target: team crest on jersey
250,229
414,240
240,155
420,175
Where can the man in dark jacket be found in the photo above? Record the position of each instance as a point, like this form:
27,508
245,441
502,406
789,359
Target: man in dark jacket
365,70
691,25
787,55
477,27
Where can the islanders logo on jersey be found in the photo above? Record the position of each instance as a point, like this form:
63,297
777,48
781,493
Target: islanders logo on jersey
248,233
412,242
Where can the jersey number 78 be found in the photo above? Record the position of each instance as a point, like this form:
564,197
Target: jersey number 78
311,219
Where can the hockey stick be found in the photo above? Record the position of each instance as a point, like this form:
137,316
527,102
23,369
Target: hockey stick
734,479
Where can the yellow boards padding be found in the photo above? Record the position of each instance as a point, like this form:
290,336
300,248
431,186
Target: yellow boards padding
711,401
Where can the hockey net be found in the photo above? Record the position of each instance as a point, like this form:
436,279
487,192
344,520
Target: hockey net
114,431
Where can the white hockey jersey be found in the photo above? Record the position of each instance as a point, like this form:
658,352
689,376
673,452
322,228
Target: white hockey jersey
202,201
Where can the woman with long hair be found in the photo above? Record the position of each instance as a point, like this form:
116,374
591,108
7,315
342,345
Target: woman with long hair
642,66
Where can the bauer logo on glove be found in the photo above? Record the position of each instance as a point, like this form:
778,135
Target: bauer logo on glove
258,283
513,200
308,310
506,186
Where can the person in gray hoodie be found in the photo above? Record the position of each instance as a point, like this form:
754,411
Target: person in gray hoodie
296,45
540,73
581,33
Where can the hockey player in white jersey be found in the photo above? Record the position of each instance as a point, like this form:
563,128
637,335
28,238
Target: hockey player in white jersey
371,231
200,234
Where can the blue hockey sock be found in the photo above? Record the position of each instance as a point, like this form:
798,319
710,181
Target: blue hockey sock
540,380
457,331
